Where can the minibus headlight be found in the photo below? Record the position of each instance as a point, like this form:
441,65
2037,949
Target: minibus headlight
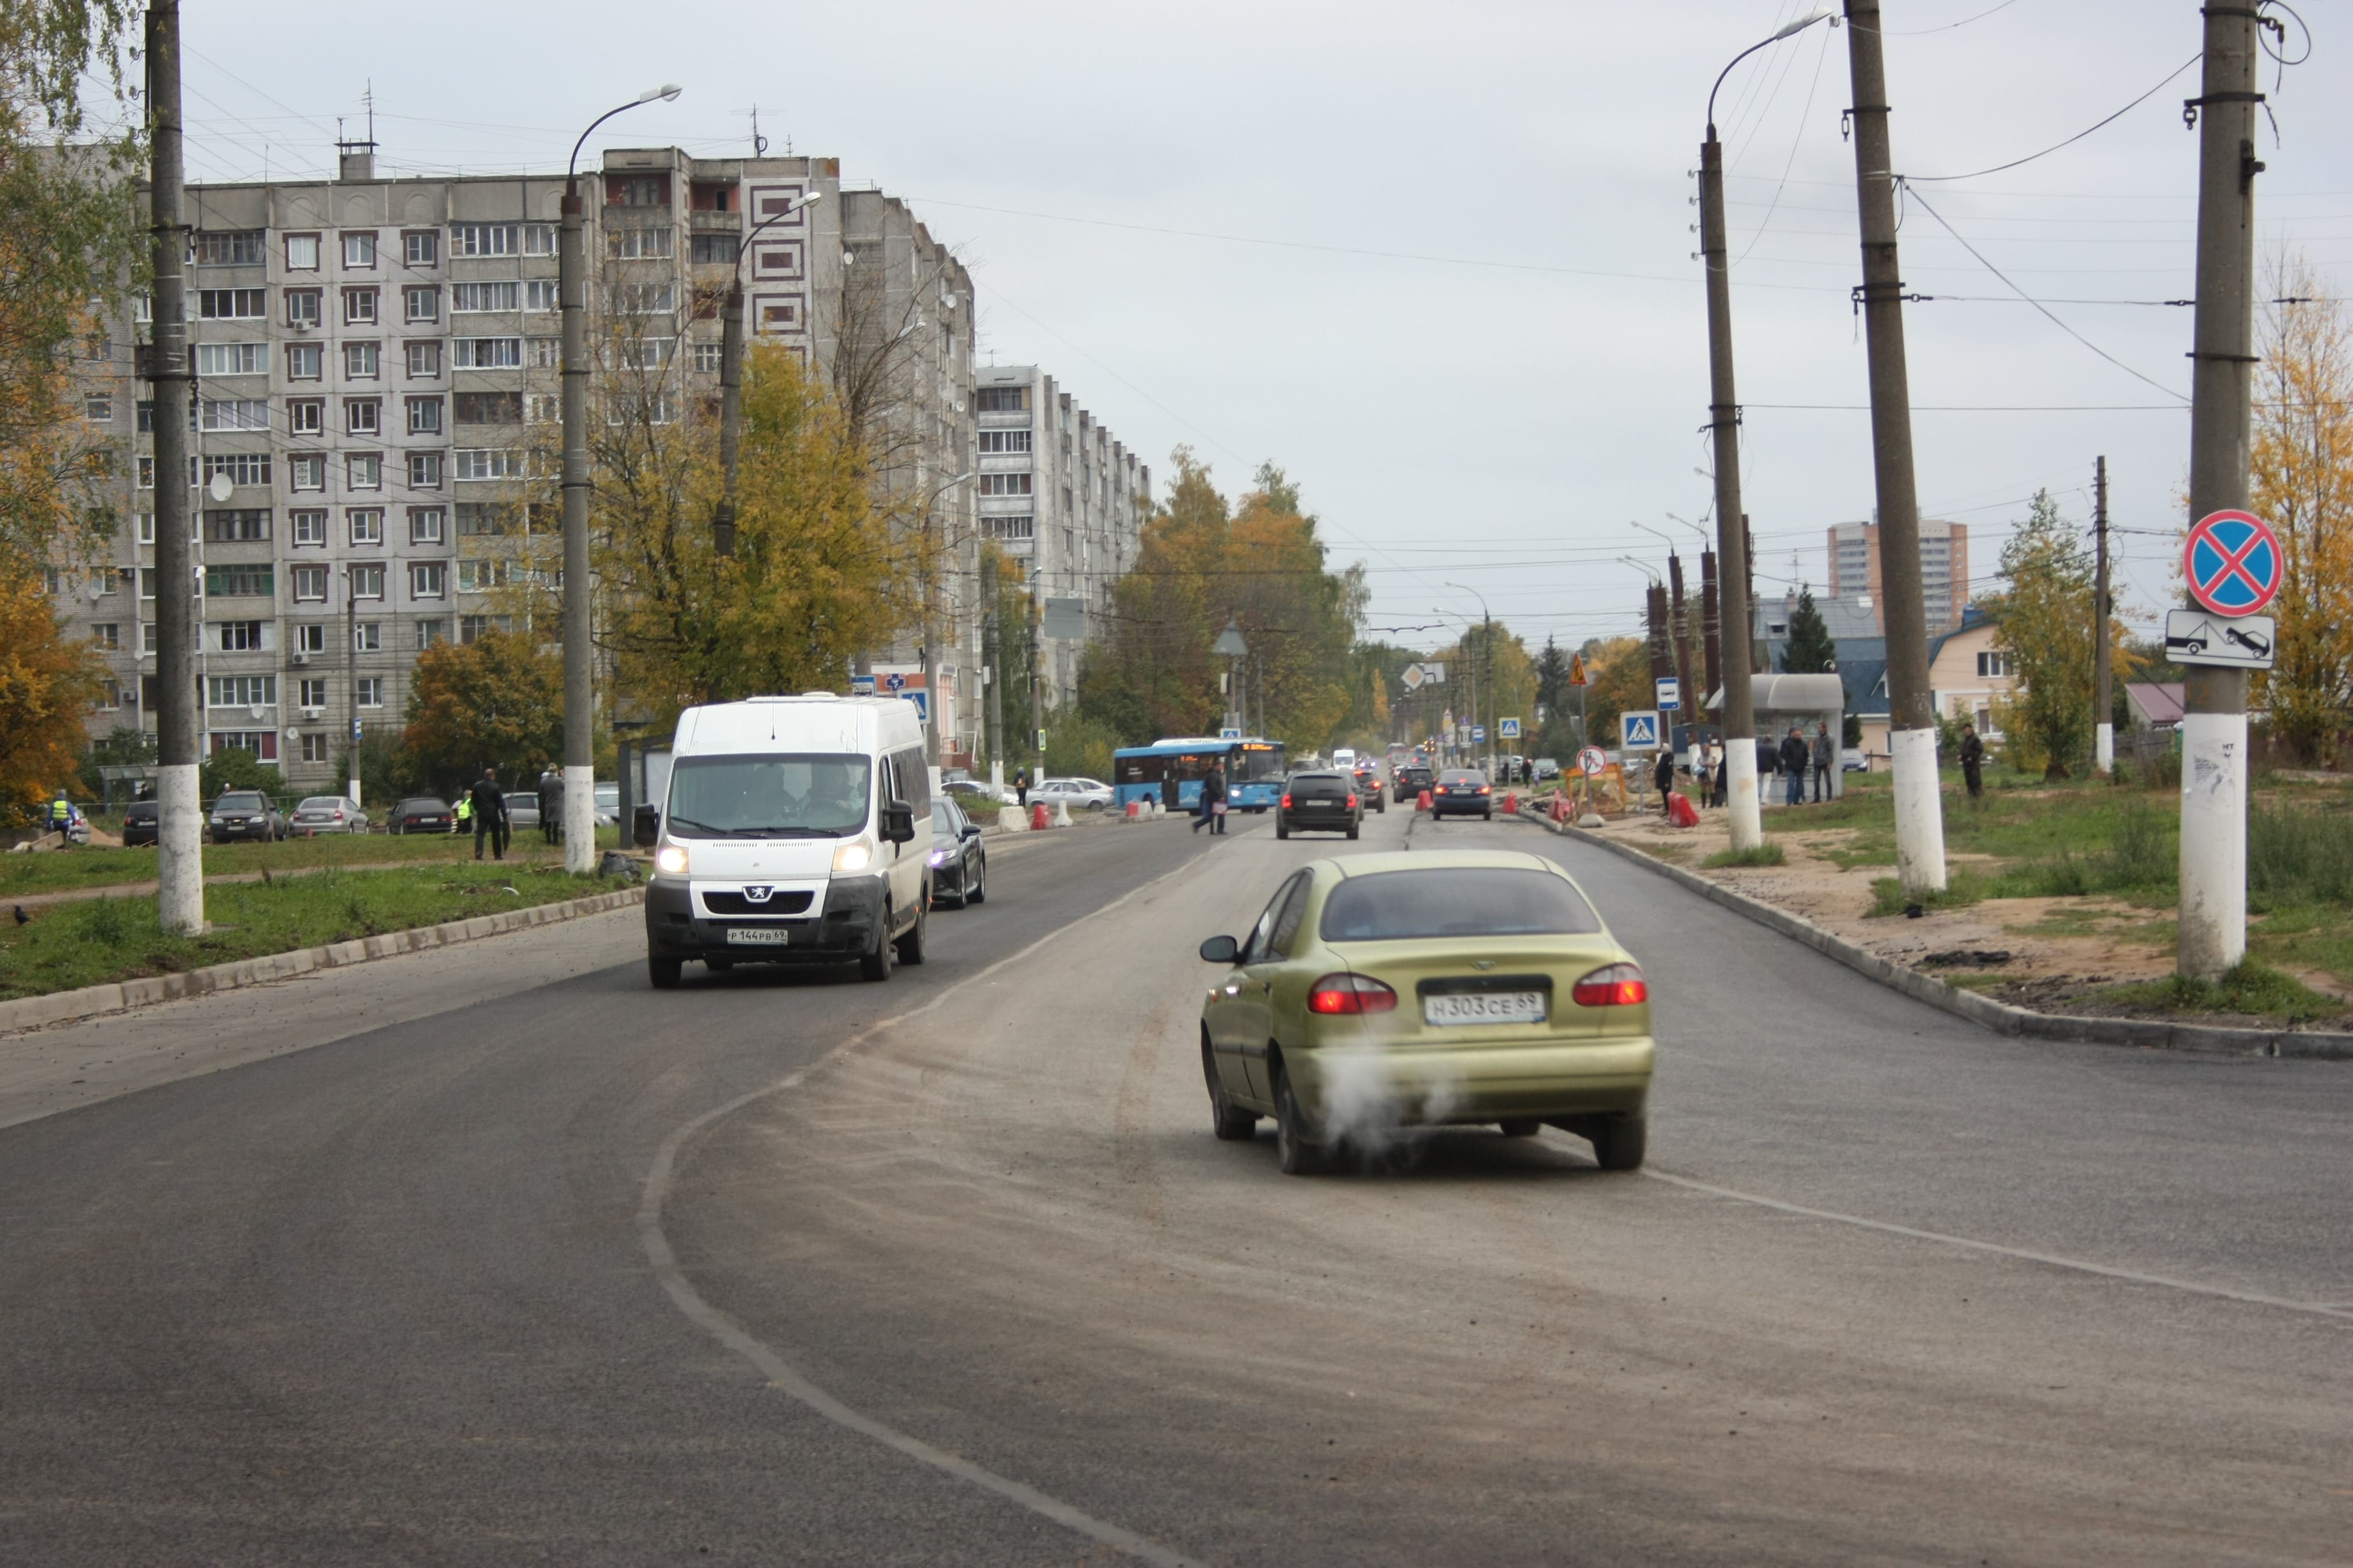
853,855
670,859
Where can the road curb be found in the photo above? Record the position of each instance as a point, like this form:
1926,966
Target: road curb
2144,1034
93,1000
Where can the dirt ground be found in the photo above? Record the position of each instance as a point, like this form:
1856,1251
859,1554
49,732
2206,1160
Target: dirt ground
2053,954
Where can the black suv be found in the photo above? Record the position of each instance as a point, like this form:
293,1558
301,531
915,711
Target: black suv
1463,792
142,823
1319,803
1411,780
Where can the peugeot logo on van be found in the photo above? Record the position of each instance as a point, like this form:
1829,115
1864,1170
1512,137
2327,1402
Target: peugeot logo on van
757,895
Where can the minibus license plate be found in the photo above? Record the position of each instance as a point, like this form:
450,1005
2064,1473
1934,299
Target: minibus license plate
1448,1008
759,936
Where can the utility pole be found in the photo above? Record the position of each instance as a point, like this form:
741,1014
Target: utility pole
992,658
579,715
1682,628
1919,801
2213,916
180,852
1037,698
2104,729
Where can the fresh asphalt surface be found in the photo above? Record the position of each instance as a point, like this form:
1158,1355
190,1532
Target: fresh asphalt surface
977,1286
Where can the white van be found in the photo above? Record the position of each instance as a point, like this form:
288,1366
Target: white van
794,829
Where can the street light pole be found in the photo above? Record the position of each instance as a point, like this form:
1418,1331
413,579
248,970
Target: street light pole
579,680
1487,666
1739,719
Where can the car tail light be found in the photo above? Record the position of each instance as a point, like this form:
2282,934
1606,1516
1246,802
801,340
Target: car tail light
1350,992
1351,801
1286,803
1486,789
1617,986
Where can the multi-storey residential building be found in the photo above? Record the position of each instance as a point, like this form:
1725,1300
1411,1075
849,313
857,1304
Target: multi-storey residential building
1060,495
377,390
1943,569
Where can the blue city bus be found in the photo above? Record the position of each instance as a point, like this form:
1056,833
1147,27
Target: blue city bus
1171,771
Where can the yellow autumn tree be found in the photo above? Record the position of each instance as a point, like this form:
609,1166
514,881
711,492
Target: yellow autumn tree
46,684
2302,484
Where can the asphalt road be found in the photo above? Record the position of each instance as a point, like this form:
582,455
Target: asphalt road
547,1268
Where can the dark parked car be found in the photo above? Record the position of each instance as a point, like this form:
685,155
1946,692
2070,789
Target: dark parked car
1463,792
959,860
141,822
245,814
1412,779
1325,802
423,814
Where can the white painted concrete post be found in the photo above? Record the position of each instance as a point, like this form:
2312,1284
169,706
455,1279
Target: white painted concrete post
180,848
2213,842
2104,747
1919,812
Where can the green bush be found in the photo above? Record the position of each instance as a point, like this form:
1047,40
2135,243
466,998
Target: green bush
2295,856
1763,855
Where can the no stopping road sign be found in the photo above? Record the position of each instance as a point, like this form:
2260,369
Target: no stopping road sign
2231,560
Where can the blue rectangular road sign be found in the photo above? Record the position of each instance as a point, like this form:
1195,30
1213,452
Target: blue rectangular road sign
1638,731
1508,729
1670,693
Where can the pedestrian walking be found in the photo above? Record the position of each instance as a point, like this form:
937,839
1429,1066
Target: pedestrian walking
1021,788
550,807
1723,764
1972,761
1825,759
1213,796
1701,778
1792,758
462,812
60,814
1663,777
490,815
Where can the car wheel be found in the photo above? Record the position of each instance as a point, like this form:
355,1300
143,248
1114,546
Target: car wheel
1281,829
910,946
663,972
1230,1121
1517,1127
1488,814
1352,830
1296,1146
978,892
876,964
1618,1142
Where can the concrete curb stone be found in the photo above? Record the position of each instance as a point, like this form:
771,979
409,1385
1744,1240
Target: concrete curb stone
2145,1034
91,1001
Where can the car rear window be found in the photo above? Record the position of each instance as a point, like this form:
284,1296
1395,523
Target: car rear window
238,803
1316,785
1455,900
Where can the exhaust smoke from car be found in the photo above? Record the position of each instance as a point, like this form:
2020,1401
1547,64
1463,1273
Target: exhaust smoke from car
1363,1110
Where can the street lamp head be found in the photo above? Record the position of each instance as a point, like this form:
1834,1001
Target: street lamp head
1229,643
1788,29
668,92
807,198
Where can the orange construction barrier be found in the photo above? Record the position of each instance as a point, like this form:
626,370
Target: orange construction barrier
1134,810
1038,820
1511,803
1421,801
1560,808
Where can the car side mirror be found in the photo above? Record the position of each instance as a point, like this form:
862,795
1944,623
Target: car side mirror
1221,950
645,827
898,823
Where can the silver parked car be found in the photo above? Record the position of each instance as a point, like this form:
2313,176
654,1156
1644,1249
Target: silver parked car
328,814
1079,795
522,808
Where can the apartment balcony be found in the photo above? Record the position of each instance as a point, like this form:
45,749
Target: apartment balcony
1012,419
714,223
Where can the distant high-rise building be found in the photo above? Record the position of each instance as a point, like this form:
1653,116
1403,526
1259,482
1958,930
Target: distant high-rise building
1944,570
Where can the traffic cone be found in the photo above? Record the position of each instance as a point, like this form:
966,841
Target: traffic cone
1135,811
1511,803
1038,820
1421,801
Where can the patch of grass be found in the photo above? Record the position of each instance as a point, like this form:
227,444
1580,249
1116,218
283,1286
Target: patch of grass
1766,854
91,941
64,870
2251,989
1862,848
1673,853
1962,889
2298,857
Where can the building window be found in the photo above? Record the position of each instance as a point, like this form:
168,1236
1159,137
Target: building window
420,304
1992,665
231,304
239,582
429,579
302,307
306,416
314,747
311,639
637,190
237,636
1000,400
1010,527
427,524
242,468
484,239
360,361
421,248
99,408
998,442
488,353
425,470
371,688
490,408
1005,484
540,294
539,239
541,408
233,414
367,583
706,356
425,416
359,308
242,247
424,361
313,691
242,690
307,473
108,635
146,472
231,359
366,525
309,583
359,249
363,471
468,298
481,519
546,353
244,526
489,463
644,299
714,250
310,528
305,362
362,417
367,637
302,253
431,634
482,576
638,244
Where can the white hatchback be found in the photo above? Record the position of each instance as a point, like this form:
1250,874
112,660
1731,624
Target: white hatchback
1079,795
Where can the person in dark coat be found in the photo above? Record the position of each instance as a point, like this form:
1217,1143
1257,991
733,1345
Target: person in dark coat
490,815
550,807
1663,777
1213,795
1722,760
1825,758
1021,788
1793,765
1972,761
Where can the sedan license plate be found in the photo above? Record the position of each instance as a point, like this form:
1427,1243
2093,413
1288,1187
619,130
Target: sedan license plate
758,936
1456,1008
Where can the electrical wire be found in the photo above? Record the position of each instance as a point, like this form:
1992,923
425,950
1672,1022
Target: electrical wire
1796,139
1944,28
2071,141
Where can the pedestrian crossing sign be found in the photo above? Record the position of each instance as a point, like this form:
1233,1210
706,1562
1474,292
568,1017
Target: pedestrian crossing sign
1638,731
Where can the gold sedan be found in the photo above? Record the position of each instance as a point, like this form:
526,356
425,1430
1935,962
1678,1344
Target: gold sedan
1392,991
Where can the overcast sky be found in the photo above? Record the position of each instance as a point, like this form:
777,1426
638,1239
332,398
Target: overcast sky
1436,260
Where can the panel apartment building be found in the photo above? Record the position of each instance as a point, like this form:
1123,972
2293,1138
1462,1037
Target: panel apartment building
377,363
1944,570
1062,497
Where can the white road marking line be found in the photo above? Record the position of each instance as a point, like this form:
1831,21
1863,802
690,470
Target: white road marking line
780,1373
2253,1298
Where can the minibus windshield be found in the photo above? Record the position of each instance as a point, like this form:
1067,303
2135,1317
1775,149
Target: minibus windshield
777,795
